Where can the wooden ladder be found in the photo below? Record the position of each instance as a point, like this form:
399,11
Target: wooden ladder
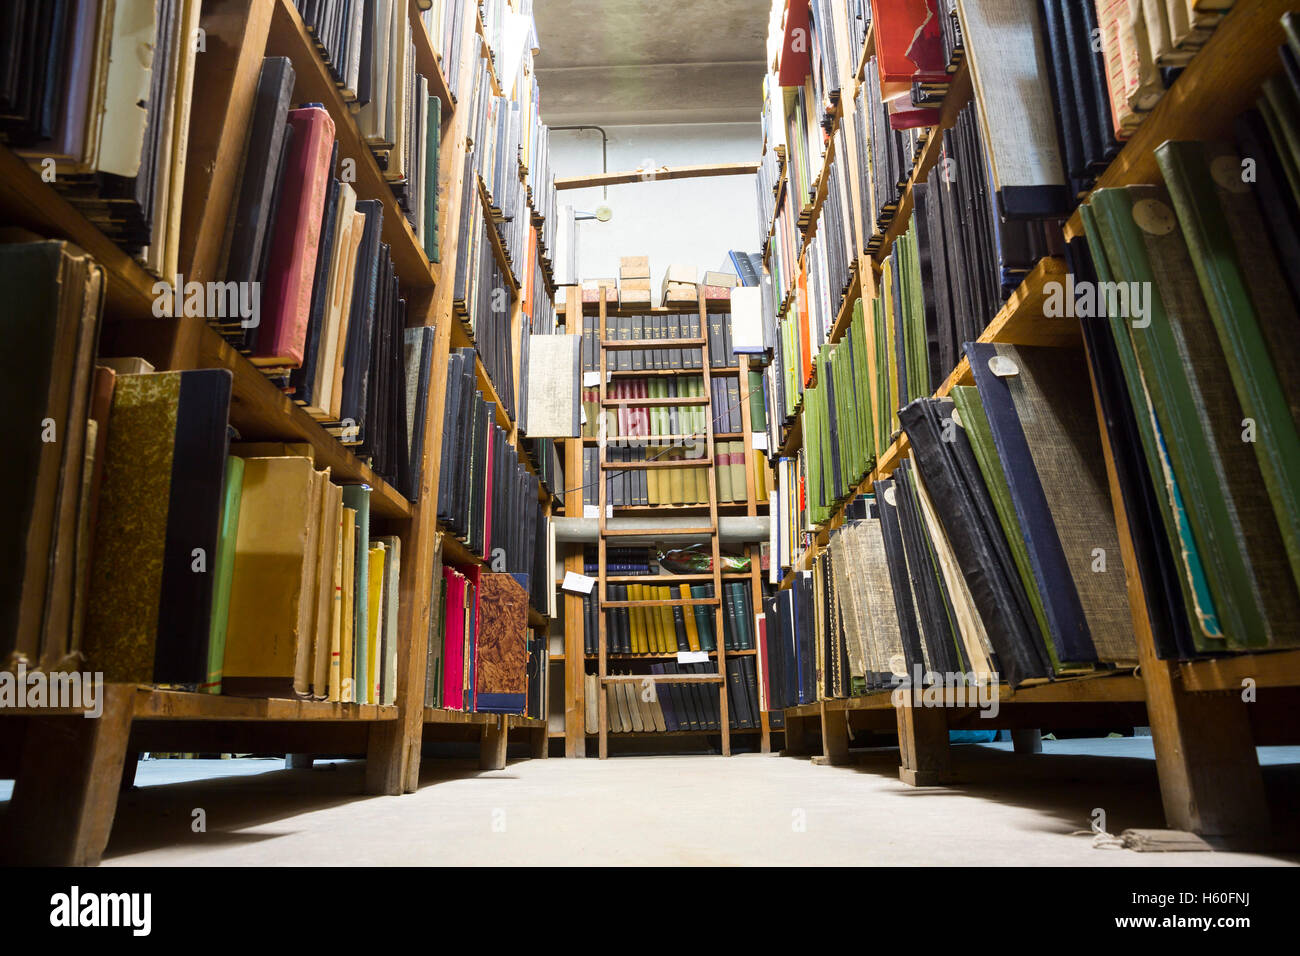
693,531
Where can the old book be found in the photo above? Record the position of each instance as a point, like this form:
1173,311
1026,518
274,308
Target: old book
52,324
158,523
341,654
329,592
1008,65
554,378
272,596
374,620
357,497
286,300
1251,309
502,644
223,566
1047,439
251,225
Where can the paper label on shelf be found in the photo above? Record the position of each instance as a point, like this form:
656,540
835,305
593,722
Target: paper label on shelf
577,583
692,657
590,379
758,441
1003,367
590,511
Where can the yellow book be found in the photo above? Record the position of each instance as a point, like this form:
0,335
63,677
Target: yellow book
271,603
676,477
322,628
336,608
302,660
636,618
688,613
343,664
655,486
374,611
668,628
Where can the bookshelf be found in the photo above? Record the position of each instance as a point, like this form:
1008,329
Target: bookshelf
1204,735
701,520
68,770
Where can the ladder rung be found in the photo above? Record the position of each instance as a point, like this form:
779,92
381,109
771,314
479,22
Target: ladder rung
658,532
671,602
631,345
660,578
663,678
654,402
658,463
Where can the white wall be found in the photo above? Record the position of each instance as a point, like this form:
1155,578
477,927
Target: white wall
689,221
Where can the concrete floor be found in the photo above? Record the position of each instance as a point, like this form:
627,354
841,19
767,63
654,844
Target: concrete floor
749,809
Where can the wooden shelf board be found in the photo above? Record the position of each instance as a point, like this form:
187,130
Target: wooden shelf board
495,240
454,551
151,703
657,372
428,64
657,656
261,412
1266,669
676,733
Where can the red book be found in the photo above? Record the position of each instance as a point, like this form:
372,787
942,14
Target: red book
453,648
287,285
909,44
796,55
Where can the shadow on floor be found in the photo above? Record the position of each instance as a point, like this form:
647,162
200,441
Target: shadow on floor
1069,787
152,817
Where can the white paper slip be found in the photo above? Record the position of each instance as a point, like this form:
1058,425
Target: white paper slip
692,657
759,441
576,583
590,511
590,379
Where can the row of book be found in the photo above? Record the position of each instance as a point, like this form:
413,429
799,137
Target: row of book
686,486
628,421
482,657
667,629
658,327
486,494
447,23
370,52
154,550
1203,382
108,128
645,707
990,555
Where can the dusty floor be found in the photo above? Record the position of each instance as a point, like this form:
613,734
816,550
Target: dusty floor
748,809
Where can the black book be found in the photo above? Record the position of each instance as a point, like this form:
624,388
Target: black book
361,321
749,677
254,208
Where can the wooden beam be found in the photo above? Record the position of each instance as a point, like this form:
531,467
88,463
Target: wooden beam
655,175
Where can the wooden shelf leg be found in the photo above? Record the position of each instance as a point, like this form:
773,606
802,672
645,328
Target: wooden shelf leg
1210,782
835,738
797,738
492,745
539,742
1026,740
765,740
923,745
65,795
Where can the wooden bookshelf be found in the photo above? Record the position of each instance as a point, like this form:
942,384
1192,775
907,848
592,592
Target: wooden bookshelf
1203,734
68,769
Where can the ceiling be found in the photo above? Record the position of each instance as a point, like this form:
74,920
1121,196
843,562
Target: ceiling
616,62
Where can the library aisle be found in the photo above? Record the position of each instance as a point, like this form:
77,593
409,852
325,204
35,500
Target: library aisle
753,810
594,432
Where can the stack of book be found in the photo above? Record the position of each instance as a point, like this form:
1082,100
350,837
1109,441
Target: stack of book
634,707
107,127
445,22
669,629
486,494
481,658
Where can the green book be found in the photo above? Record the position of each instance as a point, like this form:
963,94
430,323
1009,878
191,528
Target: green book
704,617
1197,409
433,137
1253,315
223,567
1206,633
357,497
